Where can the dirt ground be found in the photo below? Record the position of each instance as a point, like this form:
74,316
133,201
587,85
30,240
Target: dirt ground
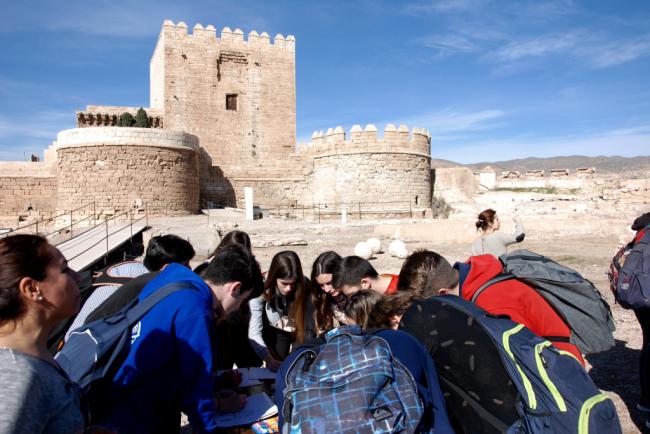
614,371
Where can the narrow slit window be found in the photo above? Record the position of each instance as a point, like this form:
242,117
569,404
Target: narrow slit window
231,102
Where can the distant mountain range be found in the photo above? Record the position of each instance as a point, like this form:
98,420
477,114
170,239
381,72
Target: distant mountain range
602,164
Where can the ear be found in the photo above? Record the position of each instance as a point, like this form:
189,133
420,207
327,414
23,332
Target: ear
234,288
443,291
27,288
365,283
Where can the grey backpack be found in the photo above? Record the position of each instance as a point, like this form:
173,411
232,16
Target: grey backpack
573,297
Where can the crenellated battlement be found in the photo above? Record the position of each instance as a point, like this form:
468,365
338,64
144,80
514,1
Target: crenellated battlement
227,36
359,140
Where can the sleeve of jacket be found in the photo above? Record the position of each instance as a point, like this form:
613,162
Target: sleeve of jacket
255,326
192,331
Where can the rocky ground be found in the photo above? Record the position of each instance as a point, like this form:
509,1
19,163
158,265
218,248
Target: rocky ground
587,250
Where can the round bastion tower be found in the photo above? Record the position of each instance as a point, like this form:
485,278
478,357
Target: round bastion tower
120,168
366,168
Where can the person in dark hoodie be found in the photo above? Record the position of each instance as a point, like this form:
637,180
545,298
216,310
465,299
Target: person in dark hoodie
169,367
431,274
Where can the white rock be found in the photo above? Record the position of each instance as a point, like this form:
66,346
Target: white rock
375,244
396,246
363,250
402,253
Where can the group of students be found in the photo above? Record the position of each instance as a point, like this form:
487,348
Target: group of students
228,313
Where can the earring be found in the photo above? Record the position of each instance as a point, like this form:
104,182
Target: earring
39,297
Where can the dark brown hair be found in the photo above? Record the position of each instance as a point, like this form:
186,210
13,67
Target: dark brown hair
388,307
286,265
485,219
360,304
239,238
325,263
425,273
20,256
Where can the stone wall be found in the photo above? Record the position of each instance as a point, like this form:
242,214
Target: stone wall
366,168
192,75
120,168
27,189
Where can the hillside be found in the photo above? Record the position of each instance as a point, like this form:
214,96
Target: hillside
601,163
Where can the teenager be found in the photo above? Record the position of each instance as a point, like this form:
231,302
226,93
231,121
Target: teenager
360,305
329,303
491,241
355,273
432,275
37,291
169,367
283,315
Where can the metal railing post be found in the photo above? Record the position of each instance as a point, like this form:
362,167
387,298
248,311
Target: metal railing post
36,227
146,214
318,212
410,209
70,224
131,216
106,226
94,214
359,203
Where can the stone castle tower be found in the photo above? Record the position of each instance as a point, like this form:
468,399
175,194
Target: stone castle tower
222,117
237,96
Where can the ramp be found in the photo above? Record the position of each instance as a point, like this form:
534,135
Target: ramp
92,245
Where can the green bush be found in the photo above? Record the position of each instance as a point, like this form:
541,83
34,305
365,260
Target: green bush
125,120
141,119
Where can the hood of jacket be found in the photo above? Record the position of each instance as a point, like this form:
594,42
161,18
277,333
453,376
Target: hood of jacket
481,269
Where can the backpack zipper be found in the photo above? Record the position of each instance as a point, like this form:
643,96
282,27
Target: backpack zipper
532,400
541,367
583,421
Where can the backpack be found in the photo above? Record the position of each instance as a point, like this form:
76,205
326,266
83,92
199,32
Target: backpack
573,297
107,278
632,284
351,383
93,353
499,377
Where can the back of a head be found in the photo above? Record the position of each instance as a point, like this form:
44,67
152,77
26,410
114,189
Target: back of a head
20,256
485,219
351,270
325,263
641,222
388,310
167,249
235,264
360,304
425,273
238,238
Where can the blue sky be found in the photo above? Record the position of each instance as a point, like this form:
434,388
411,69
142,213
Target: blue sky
491,80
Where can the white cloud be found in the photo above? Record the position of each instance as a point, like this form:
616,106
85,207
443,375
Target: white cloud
449,121
619,52
621,142
537,47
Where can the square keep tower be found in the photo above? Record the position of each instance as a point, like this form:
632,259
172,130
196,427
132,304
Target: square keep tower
238,96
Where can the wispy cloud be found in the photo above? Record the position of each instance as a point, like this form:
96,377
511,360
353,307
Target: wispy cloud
621,51
622,142
441,6
451,121
541,46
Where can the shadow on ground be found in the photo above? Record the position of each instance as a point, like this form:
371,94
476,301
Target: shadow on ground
617,370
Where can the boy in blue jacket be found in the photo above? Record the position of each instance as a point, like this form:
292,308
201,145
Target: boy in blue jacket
169,366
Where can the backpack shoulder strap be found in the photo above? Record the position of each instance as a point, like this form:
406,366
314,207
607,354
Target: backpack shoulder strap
497,279
135,313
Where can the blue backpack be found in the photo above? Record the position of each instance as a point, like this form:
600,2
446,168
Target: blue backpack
499,377
353,384
632,288
93,353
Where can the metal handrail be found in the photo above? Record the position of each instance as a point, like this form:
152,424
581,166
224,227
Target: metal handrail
17,228
105,238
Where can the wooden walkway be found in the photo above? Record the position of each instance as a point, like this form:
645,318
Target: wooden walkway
85,249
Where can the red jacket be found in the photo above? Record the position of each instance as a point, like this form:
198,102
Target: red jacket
517,300
392,286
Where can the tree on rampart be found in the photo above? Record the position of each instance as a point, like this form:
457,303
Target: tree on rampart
125,120
141,119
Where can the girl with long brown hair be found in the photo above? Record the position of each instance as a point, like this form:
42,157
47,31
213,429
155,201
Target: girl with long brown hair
283,315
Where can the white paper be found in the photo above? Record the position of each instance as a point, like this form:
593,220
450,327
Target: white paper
252,376
258,407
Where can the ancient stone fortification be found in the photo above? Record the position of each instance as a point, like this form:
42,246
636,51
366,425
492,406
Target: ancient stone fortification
222,117
121,168
27,190
369,169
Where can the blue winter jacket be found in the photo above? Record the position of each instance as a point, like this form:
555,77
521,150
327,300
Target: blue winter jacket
412,355
169,365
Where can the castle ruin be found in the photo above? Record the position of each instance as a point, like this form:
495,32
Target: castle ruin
222,116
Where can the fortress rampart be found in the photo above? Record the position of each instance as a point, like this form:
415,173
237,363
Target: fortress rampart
366,168
107,116
120,168
26,189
